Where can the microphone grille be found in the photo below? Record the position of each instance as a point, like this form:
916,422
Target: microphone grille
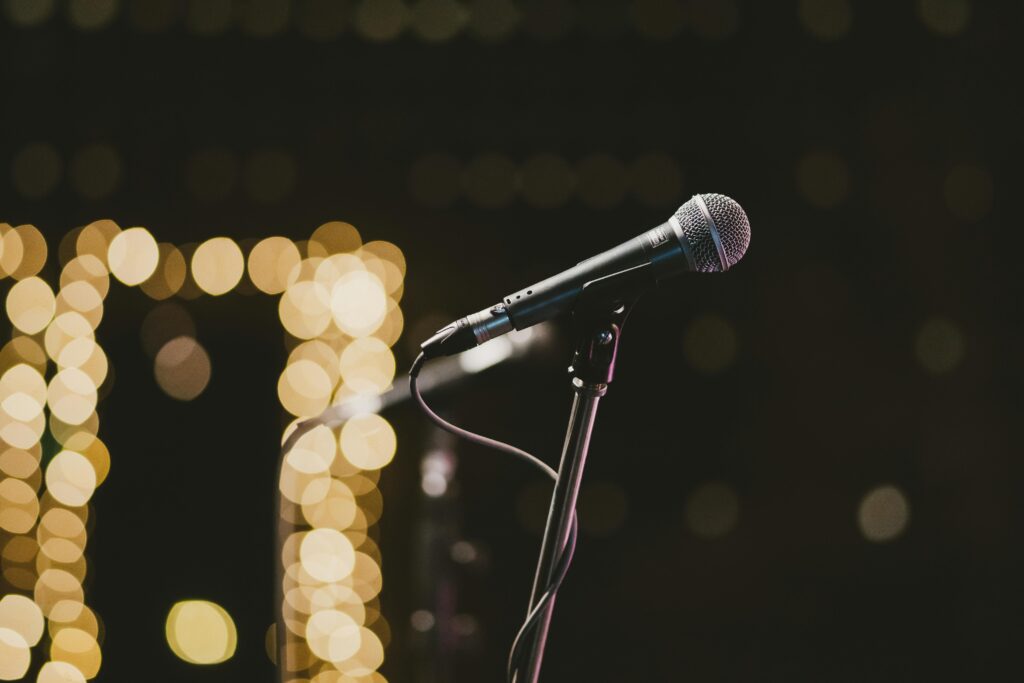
717,229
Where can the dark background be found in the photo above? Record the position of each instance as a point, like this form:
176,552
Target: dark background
870,337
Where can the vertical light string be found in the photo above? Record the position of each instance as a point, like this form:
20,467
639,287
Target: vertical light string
341,311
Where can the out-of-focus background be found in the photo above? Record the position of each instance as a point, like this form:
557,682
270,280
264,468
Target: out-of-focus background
804,470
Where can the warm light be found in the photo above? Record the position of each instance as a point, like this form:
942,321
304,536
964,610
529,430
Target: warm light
88,268
305,309
33,252
55,588
358,303
72,396
367,366
15,656
217,265
182,368
270,263
304,388
883,514
333,635
327,555
334,237
201,632
19,506
95,239
60,672
70,478
133,256
30,305
169,276
78,648
368,441
22,392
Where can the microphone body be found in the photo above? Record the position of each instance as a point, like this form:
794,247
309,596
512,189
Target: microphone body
687,242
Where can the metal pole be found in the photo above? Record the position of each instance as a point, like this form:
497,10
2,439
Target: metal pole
563,504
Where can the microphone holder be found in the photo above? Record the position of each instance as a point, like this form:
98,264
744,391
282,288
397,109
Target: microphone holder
598,316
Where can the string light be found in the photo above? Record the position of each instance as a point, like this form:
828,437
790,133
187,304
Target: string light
340,303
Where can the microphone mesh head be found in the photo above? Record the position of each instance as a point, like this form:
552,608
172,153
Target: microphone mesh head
719,243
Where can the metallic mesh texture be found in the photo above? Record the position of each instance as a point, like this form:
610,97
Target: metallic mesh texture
733,231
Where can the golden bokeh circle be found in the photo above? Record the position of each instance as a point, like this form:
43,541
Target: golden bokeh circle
30,305
133,256
218,265
201,632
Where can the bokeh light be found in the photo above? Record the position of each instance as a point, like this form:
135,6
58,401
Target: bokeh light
182,368
940,346
945,17
368,441
826,20
30,305
218,265
883,514
133,256
37,168
201,632
271,262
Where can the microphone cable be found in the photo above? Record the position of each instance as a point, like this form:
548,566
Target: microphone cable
564,559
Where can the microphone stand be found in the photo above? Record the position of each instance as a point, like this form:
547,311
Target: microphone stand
598,315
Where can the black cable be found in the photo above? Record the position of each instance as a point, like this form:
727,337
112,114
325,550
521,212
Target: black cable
564,560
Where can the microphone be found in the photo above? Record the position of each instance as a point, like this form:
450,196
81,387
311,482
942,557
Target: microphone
707,234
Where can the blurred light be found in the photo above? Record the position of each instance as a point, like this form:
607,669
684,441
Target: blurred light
54,588
826,19
333,635
602,181
87,268
95,239
713,510
15,656
151,16
22,392
95,171
305,309
304,388
163,323
211,174
182,368
489,181
367,366
548,19
70,479
72,396
321,20
422,620
12,250
823,179
37,168
217,265
438,20
29,12
78,648
93,449
883,514
65,329
434,180
89,15
269,175
83,301
209,17
657,180
264,18
486,355
133,256
334,237
23,349
270,263
19,614
358,303
381,20
322,354
19,507
169,276
464,552
337,510
367,658
710,344
31,305
945,17
602,508
59,672
547,181
327,555
33,252
368,441
656,19
714,19
940,346
968,191
201,632
493,20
